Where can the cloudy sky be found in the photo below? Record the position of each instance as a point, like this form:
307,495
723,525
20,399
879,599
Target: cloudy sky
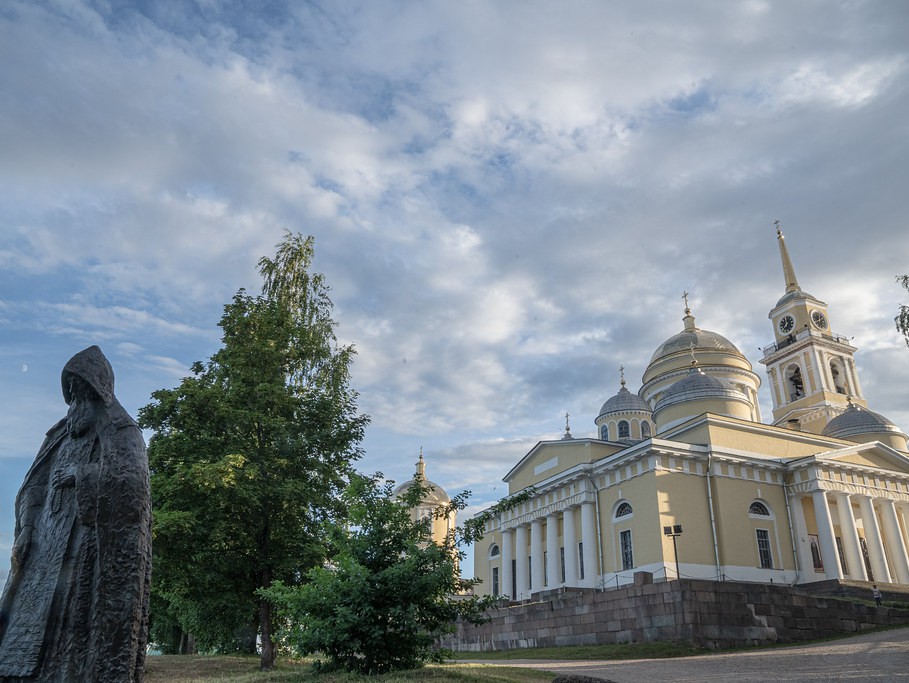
508,198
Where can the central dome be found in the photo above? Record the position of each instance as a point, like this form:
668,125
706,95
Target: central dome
703,340
716,357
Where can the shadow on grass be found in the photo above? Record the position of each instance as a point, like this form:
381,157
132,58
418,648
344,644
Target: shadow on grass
232,669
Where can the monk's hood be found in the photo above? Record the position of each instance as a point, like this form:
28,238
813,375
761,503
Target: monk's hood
91,365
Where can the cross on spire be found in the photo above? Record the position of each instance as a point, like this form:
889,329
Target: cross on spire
567,429
685,297
622,374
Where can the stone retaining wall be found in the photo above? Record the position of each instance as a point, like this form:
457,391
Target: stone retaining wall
703,613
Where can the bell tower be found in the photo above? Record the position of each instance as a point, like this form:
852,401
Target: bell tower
811,369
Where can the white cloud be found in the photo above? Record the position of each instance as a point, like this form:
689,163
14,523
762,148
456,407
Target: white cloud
855,87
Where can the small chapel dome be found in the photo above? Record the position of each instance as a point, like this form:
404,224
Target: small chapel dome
436,495
862,425
625,417
622,402
432,505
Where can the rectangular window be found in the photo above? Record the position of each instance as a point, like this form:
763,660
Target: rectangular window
545,568
839,549
562,562
816,559
627,553
581,561
763,544
529,573
514,579
495,581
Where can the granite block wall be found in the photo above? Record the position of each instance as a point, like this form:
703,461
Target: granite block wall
703,613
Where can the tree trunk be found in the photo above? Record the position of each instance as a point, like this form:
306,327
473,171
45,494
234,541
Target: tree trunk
267,661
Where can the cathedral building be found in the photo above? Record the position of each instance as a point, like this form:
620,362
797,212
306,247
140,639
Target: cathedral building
685,479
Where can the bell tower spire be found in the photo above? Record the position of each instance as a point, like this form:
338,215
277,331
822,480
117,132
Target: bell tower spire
811,369
792,283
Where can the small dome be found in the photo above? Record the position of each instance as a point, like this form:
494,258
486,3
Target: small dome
697,385
856,420
623,402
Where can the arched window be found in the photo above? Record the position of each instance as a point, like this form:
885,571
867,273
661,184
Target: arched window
604,432
623,510
645,429
494,551
758,508
839,378
624,429
794,382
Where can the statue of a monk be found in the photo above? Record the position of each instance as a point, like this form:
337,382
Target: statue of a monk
75,606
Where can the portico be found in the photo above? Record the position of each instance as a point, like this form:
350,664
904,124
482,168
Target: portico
856,516
541,548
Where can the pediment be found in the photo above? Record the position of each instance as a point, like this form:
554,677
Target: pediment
875,455
550,458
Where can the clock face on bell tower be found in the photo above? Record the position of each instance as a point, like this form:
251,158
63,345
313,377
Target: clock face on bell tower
819,320
787,322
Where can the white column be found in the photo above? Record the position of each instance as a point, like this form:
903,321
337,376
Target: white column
553,573
570,543
803,548
536,555
849,536
825,535
855,386
520,555
589,537
873,541
894,539
904,521
507,557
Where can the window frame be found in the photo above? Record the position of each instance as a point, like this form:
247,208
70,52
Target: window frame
623,426
764,548
626,549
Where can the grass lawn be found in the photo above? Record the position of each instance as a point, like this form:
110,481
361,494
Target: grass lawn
224,669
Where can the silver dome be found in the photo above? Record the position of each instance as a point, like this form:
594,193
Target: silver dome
857,420
696,385
622,402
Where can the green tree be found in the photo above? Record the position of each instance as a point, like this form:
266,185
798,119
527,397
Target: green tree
389,593
249,457
902,319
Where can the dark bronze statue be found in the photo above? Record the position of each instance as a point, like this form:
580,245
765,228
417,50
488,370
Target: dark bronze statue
75,606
